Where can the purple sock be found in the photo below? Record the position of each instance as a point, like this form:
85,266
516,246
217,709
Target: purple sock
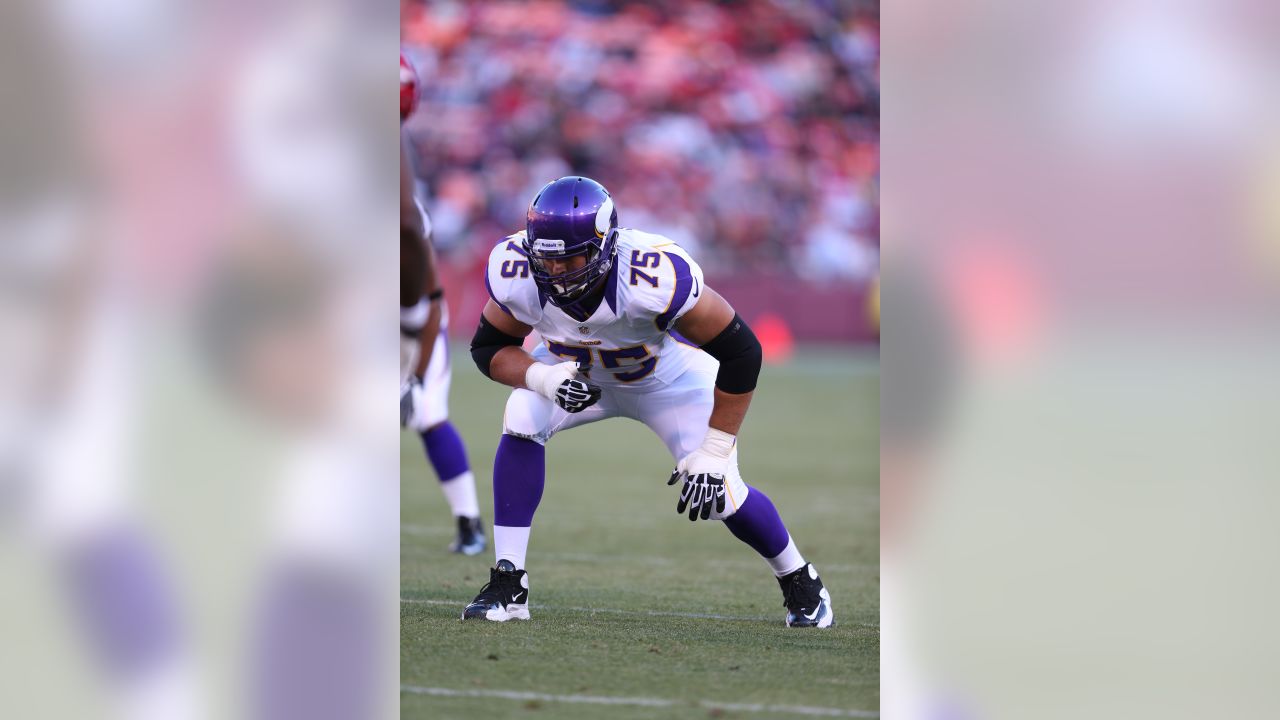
445,451
124,602
757,524
519,472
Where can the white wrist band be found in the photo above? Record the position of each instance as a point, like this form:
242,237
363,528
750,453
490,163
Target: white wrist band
718,442
535,377
414,318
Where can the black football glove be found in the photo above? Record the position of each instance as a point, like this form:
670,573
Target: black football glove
577,395
560,384
699,494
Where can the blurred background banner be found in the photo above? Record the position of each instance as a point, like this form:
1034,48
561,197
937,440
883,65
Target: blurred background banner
198,457
746,132
1081,398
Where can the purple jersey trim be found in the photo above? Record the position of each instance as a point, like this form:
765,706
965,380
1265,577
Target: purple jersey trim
684,284
611,288
498,302
576,312
682,339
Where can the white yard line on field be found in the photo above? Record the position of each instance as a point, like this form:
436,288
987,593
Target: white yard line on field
616,611
640,701
612,611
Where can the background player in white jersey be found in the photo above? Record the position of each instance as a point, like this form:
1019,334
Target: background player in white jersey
425,371
613,306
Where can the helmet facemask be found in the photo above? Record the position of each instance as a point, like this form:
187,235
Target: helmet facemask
568,287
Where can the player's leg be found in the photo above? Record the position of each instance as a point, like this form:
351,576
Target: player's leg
445,451
72,465
519,475
678,414
120,591
318,647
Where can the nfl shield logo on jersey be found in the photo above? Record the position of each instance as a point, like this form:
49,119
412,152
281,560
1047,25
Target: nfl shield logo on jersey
584,329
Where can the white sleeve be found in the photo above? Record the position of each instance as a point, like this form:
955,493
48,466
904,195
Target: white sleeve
509,282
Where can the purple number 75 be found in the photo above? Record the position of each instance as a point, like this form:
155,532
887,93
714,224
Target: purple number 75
611,359
512,268
573,352
614,358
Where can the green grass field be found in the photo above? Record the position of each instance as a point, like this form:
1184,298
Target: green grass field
637,612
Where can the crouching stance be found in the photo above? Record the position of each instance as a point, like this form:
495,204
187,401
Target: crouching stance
629,330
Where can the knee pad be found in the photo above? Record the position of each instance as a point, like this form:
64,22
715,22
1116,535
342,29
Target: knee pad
528,416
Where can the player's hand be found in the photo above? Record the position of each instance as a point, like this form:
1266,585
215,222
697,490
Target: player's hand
704,471
560,384
701,493
409,351
412,320
412,403
577,395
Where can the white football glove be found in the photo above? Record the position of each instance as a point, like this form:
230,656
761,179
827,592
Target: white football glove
412,320
559,384
410,347
708,473
413,404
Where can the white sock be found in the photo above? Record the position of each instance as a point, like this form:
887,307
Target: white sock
510,543
460,491
787,561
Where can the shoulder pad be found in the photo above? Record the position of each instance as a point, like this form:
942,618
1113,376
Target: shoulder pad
509,282
661,278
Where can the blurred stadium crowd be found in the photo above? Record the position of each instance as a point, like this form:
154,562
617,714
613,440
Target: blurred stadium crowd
747,132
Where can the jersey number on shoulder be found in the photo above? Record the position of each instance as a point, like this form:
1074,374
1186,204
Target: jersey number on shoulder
514,268
645,260
613,360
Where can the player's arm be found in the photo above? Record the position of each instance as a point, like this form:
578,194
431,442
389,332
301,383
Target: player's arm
713,326
717,329
419,315
498,352
416,271
497,347
435,313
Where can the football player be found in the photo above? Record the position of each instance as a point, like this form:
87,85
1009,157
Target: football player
424,390
629,329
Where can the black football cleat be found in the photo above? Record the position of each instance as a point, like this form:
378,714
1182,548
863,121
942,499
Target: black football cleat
470,539
505,597
807,601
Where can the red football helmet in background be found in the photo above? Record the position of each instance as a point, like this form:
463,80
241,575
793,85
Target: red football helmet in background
408,88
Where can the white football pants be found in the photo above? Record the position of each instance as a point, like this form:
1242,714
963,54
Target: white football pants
677,413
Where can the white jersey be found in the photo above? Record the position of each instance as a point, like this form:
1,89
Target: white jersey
653,282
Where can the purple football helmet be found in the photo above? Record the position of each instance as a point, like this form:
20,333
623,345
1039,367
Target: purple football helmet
569,217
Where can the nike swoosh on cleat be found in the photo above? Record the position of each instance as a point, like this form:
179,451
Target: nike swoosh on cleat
516,597
814,614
